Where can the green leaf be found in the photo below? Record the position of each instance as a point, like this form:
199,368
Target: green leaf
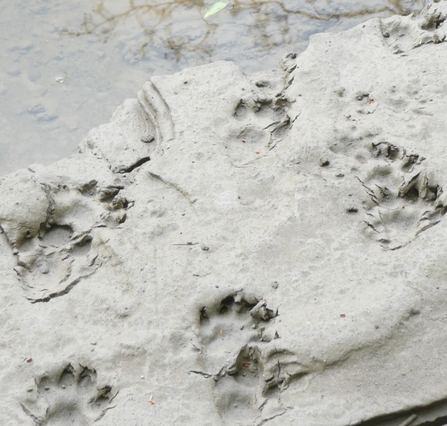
216,7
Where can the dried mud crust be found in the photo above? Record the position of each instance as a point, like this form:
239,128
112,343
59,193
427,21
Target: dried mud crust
404,198
242,353
68,397
51,261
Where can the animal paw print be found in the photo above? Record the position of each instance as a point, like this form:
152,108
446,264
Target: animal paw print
406,33
68,398
270,112
261,121
51,261
247,370
232,324
404,199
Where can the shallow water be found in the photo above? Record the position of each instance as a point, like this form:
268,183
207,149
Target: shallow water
67,64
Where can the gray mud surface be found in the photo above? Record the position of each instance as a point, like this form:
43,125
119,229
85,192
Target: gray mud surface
67,64
242,249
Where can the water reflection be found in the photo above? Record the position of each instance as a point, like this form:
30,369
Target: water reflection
178,27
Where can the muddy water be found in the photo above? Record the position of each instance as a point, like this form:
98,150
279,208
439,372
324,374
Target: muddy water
67,64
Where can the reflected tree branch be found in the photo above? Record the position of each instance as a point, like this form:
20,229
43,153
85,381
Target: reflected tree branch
266,21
